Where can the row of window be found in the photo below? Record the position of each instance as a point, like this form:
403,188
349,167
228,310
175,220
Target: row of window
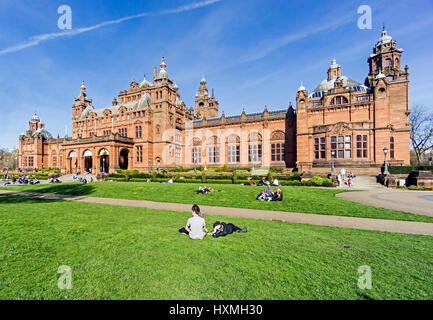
28,162
234,153
123,132
341,147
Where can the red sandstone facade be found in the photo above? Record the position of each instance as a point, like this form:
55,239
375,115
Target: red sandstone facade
148,126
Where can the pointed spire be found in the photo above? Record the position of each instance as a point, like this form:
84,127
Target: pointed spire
203,80
83,89
302,88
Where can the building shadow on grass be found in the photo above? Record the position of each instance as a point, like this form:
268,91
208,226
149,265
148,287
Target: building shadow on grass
10,199
69,189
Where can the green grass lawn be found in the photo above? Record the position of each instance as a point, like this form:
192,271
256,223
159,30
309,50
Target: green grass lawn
134,253
295,199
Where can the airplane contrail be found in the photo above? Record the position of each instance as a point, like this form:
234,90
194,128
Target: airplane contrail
35,40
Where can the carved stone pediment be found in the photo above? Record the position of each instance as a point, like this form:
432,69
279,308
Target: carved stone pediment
340,129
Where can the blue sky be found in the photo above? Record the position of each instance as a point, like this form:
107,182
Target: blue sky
253,52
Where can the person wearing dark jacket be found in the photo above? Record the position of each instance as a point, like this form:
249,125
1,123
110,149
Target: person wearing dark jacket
277,196
221,229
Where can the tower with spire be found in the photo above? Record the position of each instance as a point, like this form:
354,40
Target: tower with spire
205,106
386,58
81,103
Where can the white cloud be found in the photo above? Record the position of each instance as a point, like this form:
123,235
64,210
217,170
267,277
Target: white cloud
35,40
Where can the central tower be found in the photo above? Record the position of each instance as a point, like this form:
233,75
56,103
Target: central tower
205,106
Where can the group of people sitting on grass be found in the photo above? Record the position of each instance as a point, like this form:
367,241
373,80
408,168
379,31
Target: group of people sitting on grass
196,226
269,195
205,190
262,183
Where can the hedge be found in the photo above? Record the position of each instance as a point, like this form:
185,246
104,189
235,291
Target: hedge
407,169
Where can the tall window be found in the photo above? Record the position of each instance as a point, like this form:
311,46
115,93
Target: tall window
391,148
30,161
320,148
196,155
178,154
138,131
277,152
255,147
213,150
361,146
214,154
348,147
278,146
139,153
233,149
342,146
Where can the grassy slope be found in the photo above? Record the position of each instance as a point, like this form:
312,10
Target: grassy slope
296,199
131,253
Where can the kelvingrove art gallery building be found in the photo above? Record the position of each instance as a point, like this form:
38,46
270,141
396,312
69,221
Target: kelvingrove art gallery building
148,126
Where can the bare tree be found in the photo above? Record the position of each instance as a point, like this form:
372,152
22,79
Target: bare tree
421,131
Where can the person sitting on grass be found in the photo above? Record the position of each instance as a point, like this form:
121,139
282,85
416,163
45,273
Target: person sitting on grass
196,225
278,196
268,190
221,229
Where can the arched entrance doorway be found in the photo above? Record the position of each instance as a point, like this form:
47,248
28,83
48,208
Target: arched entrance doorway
123,159
88,160
72,159
105,160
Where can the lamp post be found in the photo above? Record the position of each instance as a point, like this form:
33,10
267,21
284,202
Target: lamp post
385,151
150,166
103,164
332,162
42,167
254,160
195,161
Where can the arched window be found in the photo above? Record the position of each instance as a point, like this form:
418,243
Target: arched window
255,147
388,62
213,150
339,100
233,149
278,146
196,151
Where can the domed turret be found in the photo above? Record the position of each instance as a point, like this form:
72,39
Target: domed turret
144,101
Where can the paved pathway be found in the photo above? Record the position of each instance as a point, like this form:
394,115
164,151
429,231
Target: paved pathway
419,202
315,219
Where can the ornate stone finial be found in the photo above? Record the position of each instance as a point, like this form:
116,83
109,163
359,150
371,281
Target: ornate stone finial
83,89
243,115
114,102
265,112
163,65
223,117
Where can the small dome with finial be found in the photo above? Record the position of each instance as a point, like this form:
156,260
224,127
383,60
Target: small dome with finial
302,88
